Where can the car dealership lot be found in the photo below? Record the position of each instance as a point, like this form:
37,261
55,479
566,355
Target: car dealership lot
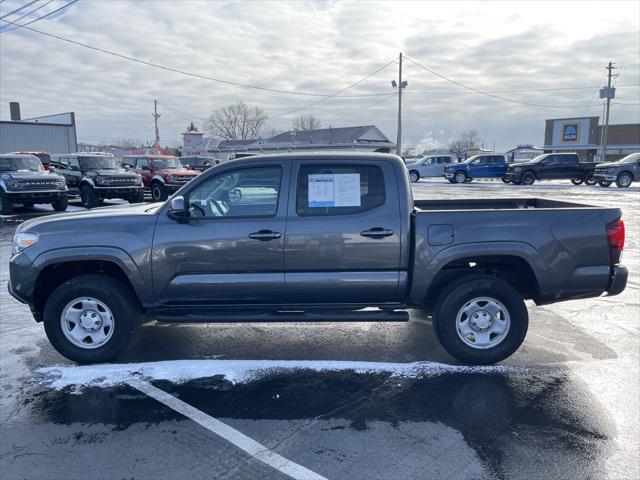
365,400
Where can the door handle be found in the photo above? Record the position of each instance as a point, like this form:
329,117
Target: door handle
265,235
377,232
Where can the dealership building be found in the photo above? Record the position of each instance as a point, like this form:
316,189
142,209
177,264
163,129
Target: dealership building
584,136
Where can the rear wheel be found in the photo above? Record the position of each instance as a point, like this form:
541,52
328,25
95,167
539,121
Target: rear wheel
577,181
528,178
88,197
624,180
91,318
6,205
158,192
480,319
504,179
590,181
60,205
605,183
460,177
414,176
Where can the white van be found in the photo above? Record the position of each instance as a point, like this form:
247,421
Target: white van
429,166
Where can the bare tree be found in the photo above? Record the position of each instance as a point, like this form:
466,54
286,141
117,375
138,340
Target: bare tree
237,121
192,128
306,122
468,140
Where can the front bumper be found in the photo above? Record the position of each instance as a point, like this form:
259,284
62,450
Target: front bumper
609,177
117,192
511,176
447,174
22,278
36,196
174,187
617,280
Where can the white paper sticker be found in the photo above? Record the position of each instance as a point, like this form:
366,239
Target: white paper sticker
334,190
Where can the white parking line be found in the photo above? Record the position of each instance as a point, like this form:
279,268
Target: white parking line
240,440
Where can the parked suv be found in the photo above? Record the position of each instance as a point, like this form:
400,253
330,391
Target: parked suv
623,172
161,174
96,176
478,166
199,163
551,166
429,166
24,180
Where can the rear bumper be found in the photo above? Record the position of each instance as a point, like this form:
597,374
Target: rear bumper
617,280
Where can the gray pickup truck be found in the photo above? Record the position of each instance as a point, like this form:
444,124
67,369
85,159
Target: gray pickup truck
312,237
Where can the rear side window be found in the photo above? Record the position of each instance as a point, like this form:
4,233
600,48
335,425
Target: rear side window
338,189
568,159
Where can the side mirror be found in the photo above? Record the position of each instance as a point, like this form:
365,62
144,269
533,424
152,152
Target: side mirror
177,208
144,168
52,168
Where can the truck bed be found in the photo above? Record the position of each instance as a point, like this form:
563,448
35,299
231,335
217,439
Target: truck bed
494,204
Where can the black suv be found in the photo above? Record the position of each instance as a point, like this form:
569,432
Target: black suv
198,163
96,176
24,180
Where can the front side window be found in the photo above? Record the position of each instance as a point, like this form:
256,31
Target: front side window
74,163
249,192
339,189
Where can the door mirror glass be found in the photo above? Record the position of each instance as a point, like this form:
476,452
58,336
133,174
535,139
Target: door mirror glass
177,207
144,168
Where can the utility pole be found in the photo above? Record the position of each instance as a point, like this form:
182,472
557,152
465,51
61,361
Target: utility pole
401,85
608,94
156,116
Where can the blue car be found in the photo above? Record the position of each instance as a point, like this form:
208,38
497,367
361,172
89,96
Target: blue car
478,166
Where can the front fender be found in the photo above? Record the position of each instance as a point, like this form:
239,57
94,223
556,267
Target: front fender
427,266
157,178
87,180
108,254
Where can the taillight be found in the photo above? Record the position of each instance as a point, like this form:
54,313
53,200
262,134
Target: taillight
615,236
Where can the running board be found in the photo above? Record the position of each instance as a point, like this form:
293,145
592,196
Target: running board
187,315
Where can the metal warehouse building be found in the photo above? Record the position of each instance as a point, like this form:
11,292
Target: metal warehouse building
51,133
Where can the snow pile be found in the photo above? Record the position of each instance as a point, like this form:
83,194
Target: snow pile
240,371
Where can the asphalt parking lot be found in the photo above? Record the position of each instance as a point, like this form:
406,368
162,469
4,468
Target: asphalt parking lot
331,400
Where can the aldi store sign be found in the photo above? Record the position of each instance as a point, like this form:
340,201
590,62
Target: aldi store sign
570,132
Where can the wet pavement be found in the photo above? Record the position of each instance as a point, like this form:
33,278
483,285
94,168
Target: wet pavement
566,405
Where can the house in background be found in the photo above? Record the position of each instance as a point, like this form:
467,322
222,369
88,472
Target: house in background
366,138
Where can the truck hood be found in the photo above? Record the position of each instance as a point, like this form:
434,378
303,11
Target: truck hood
182,172
30,175
113,173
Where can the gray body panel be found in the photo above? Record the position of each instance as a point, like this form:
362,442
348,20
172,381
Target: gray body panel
324,260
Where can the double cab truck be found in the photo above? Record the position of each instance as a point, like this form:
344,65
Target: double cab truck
428,166
478,166
162,174
97,176
312,237
624,172
23,180
551,166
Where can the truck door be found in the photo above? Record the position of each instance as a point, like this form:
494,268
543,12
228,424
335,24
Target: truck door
550,167
479,168
230,248
569,166
142,167
343,233
72,173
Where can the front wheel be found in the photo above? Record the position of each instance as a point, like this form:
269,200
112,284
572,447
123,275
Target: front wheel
577,181
624,180
605,183
460,177
60,205
528,178
481,320
88,197
158,192
504,180
414,176
91,318
6,205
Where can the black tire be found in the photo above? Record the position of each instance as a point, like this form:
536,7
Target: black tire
118,298
6,205
158,192
517,182
459,293
137,198
88,197
528,178
451,180
60,205
605,183
577,181
504,180
624,180
590,181
460,177
414,176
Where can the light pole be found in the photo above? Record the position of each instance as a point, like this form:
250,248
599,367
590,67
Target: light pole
400,85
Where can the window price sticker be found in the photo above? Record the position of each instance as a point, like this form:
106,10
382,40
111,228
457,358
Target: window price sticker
334,190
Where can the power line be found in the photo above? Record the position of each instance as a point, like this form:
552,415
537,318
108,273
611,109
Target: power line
504,99
18,9
353,114
24,25
336,93
30,12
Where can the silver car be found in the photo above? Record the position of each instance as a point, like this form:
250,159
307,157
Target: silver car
429,166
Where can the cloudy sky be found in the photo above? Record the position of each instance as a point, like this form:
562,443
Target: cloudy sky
549,54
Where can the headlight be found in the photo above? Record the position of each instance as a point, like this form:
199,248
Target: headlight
100,181
15,184
23,240
171,178
139,180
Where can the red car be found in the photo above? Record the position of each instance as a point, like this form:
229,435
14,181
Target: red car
161,174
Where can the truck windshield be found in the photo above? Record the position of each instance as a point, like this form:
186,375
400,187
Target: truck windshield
8,164
160,163
99,163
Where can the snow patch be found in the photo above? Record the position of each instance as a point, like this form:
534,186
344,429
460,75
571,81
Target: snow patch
240,371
